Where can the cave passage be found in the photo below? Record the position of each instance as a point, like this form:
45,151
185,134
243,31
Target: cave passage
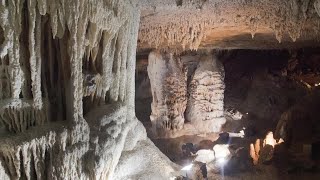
196,102
159,89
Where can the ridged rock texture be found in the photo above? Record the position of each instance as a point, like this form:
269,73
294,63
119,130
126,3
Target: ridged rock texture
196,24
168,80
67,88
187,93
205,108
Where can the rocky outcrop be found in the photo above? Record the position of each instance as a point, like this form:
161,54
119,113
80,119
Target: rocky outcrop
205,108
169,92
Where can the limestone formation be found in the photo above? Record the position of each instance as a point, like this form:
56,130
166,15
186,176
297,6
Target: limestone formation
169,91
205,104
67,78
197,24
67,88
137,164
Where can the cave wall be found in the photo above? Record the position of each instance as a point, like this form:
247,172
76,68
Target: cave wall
67,88
52,56
261,85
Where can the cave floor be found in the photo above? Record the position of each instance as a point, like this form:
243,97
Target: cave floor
244,168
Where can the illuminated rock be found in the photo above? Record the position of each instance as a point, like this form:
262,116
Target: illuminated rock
169,91
205,109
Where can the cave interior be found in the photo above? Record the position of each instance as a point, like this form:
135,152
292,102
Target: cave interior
159,89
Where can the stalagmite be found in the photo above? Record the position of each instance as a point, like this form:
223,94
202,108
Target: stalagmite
205,103
168,87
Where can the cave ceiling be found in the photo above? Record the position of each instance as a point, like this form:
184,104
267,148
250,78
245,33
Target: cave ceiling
228,24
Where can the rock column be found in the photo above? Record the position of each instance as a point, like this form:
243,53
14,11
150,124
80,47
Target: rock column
169,91
206,89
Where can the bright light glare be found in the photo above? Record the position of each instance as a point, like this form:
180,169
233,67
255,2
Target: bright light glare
221,151
221,161
187,168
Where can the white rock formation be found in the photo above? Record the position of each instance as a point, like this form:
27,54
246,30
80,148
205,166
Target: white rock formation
205,156
169,90
54,53
206,89
137,164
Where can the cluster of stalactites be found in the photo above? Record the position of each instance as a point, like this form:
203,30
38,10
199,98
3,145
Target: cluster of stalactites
105,63
185,27
181,35
93,27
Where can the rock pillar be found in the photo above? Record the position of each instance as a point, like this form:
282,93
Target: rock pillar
169,91
206,94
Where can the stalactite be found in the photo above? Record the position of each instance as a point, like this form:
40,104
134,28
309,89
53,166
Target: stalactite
44,73
253,24
91,16
184,25
108,50
35,55
186,32
19,115
10,23
114,93
31,154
